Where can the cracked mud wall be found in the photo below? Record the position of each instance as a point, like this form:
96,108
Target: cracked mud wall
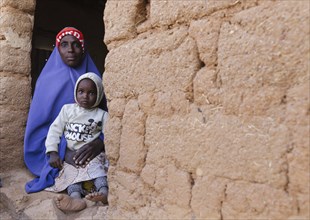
209,106
16,23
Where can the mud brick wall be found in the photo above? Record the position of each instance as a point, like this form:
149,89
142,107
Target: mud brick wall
16,23
209,105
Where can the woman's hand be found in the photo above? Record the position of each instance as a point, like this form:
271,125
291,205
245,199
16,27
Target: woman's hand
88,152
69,157
85,154
55,160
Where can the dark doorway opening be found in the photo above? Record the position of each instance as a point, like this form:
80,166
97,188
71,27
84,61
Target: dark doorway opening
53,15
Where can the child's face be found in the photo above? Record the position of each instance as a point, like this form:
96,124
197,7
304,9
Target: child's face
86,93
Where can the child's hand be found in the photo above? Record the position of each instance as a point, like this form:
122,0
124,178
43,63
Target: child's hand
55,160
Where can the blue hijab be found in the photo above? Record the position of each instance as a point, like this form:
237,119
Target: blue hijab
54,88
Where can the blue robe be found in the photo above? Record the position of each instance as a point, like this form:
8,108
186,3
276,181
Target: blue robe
54,88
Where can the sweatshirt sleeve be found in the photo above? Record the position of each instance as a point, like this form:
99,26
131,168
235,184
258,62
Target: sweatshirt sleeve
55,131
105,119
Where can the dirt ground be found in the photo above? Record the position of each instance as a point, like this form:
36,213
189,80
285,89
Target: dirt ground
15,203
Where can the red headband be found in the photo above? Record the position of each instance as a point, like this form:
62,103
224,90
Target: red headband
70,31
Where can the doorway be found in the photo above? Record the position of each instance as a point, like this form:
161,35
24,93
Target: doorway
53,15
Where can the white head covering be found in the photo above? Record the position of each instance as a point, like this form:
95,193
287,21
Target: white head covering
98,82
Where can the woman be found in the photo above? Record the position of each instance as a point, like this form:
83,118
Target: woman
54,88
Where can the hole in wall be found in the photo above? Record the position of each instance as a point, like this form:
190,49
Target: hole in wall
53,15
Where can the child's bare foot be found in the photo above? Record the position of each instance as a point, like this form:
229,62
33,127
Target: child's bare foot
98,197
67,203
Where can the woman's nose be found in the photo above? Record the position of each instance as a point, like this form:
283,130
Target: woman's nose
70,47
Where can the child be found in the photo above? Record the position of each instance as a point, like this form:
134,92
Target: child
80,123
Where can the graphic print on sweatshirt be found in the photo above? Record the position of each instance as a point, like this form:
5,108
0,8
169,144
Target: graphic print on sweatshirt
82,132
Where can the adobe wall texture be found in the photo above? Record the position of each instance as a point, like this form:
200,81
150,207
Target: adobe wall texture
209,105
16,23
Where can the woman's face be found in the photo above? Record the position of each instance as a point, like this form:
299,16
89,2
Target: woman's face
70,50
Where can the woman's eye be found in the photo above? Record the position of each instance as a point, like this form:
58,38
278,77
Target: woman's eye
77,45
64,44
